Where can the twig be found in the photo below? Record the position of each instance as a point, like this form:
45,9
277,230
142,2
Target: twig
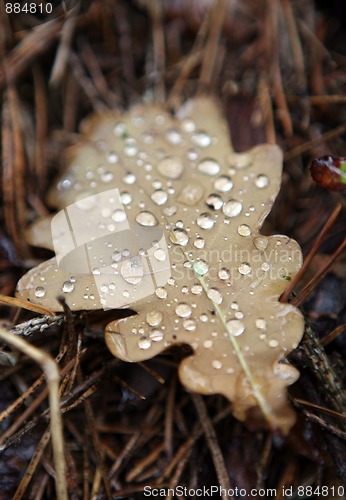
213,445
51,371
41,126
37,325
34,44
302,148
218,14
62,54
317,243
86,83
303,294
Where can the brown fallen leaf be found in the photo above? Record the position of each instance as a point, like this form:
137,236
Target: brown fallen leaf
179,243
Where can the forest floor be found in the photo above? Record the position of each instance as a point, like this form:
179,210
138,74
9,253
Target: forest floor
280,73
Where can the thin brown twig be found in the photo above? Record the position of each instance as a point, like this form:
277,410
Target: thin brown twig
327,136
62,54
217,17
53,378
278,90
309,287
28,50
333,334
317,243
86,84
91,62
210,434
168,438
19,163
41,127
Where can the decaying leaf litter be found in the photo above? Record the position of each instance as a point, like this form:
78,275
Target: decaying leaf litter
90,78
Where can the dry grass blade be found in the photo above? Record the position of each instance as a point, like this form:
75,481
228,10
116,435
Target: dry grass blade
51,371
306,146
333,335
309,287
214,448
320,408
17,302
317,243
28,50
217,17
276,71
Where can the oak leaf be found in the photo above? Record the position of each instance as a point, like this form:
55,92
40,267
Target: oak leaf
184,251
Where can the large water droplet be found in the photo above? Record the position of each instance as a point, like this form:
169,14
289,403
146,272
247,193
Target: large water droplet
171,167
208,344
144,343
169,211
112,157
261,181
179,237
161,293
159,197
205,221
146,219
261,324
196,289
201,139
120,129
173,136
132,271
154,318
201,267
261,242
244,230
118,215
244,268
216,364
235,327
183,310
209,167
189,325
156,335
106,177
188,125
160,254
40,292
215,295
214,201
192,154
130,148
125,198
273,343
199,243
129,178
223,184
240,160
191,194
232,208
67,287
224,274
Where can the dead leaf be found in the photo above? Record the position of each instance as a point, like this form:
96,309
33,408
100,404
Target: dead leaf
183,250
